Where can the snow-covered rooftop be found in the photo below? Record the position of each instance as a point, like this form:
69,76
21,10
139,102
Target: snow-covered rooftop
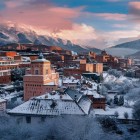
2,100
91,73
51,83
70,81
55,96
93,93
54,104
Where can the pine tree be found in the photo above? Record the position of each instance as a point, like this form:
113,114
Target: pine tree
116,114
115,99
98,89
121,101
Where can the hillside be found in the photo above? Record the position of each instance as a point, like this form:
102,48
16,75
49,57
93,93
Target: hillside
14,34
129,45
125,49
135,55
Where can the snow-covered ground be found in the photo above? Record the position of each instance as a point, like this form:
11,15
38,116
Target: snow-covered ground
125,86
110,111
108,78
111,78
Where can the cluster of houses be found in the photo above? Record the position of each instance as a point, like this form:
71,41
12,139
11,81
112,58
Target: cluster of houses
57,83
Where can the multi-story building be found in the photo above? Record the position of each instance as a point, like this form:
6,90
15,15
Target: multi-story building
90,90
113,62
5,76
5,69
125,62
54,57
40,79
85,67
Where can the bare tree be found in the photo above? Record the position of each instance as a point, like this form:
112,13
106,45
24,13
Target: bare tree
126,116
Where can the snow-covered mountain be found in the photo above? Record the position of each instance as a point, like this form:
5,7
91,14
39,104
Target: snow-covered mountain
19,34
125,49
135,55
129,45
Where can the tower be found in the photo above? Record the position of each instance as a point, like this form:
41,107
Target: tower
40,79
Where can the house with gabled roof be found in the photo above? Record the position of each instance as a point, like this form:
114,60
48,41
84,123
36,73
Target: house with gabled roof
52,104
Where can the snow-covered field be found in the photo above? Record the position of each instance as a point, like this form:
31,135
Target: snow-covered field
110,111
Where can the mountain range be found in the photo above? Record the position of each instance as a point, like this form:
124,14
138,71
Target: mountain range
135,55
129,45
16,34
13,35
125,49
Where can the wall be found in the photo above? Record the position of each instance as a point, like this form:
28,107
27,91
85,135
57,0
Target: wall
2,106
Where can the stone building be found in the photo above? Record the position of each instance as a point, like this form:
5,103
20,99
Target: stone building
87,67
40,79
5,76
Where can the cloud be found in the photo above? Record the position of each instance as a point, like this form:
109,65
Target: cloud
114,37
46,17
13,3
87,35
134,11
80,33
120,25
135,5
43,15
20,3
111,16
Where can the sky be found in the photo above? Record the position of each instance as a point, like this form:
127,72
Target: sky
94,23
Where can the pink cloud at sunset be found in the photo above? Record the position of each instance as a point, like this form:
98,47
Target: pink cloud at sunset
73,23
52,18
79,32
111,16
134,11
135,5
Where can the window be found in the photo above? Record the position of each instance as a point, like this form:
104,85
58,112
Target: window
46,71
36,72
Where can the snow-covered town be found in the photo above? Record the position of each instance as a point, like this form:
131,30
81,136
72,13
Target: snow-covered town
69,69
82,85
